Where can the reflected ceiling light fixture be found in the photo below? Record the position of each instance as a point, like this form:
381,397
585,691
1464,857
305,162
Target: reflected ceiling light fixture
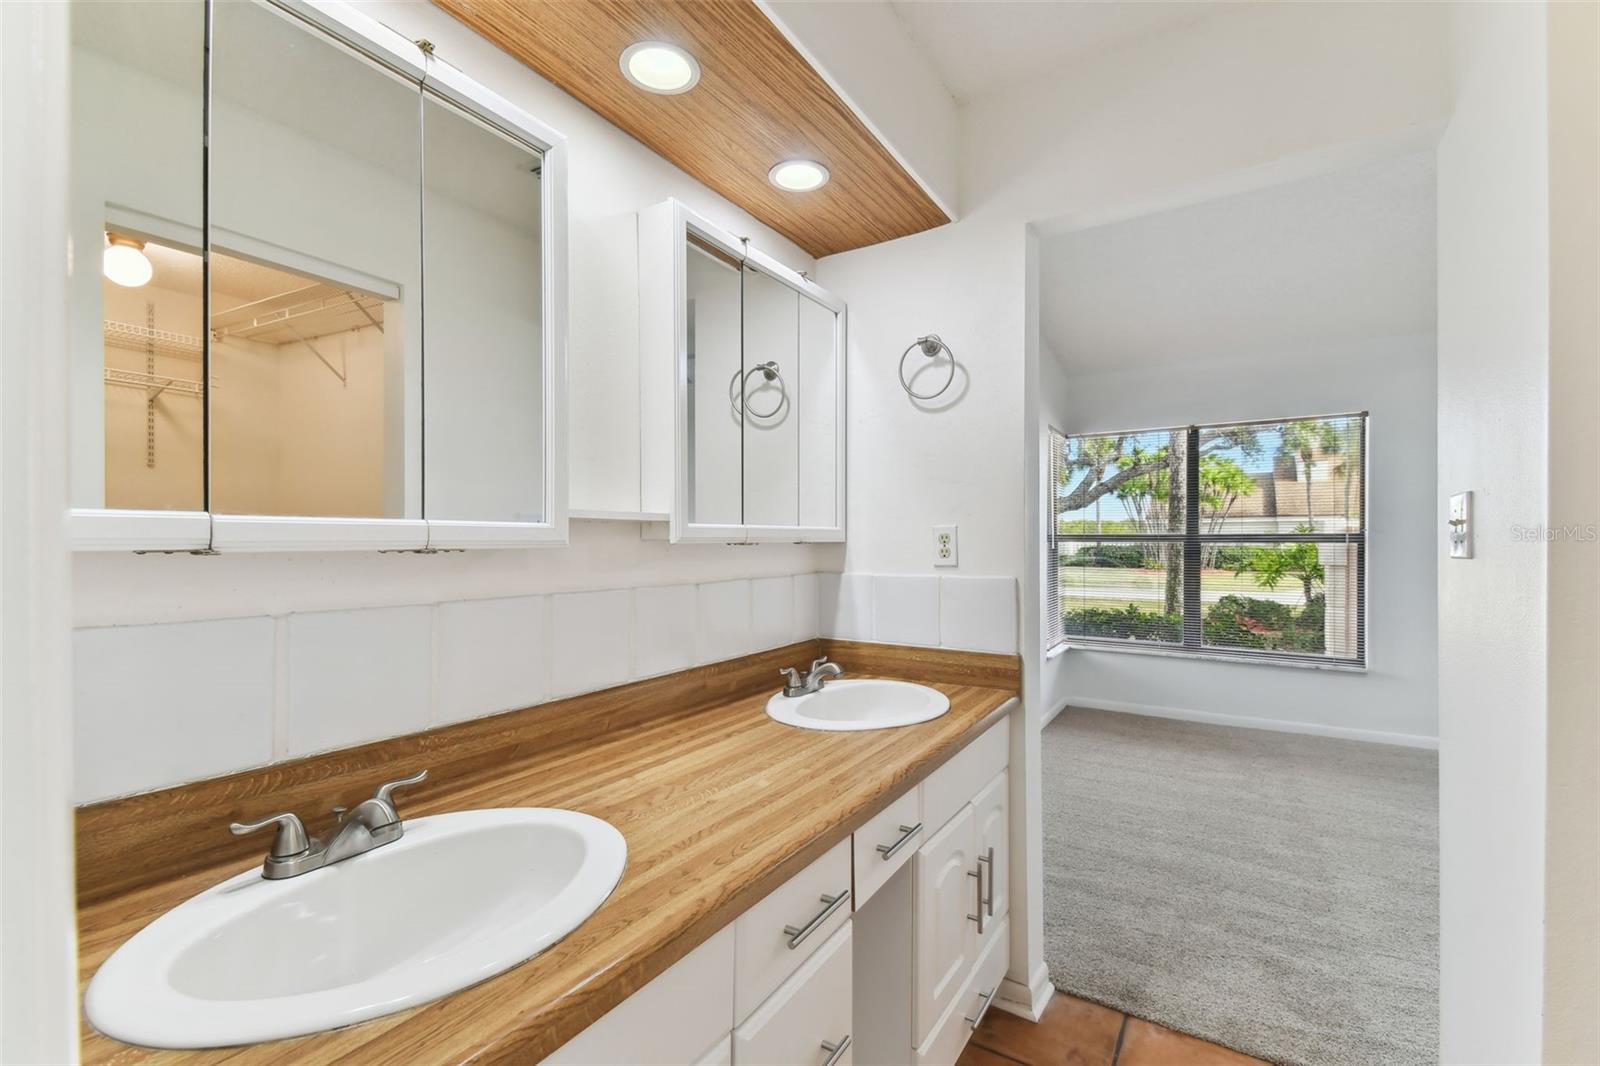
124,261
660,68
798,175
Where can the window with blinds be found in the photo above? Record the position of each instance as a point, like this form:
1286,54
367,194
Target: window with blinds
1242,539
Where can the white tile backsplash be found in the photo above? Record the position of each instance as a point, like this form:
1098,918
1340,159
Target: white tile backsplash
663,629
771,612
905,610
491,656
845,606
722,621
591,634
157,705
806,616
978,613
969,613
161,704
356,676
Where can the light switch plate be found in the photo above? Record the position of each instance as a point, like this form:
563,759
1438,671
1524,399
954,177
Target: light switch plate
945,546
1460,526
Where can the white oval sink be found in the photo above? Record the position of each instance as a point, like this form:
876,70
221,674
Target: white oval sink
866,704
459,898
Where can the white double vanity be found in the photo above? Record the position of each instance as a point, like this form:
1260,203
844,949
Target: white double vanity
332,314
886,950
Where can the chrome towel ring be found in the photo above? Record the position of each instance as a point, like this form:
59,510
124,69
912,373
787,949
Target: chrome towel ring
930,346
736,386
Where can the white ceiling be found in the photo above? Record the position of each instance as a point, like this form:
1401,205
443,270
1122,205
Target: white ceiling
980,46
1329,259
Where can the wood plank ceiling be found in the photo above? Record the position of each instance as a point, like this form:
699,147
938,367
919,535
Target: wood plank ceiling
758,102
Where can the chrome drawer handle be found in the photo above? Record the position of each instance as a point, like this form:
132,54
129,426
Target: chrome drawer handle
888,851
988,901
836,1051
797,934
977,872
988,998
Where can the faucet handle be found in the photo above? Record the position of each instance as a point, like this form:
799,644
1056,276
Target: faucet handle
290,839
819,662
385,793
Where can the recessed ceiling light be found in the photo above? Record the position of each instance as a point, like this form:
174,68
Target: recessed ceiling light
798,175
124,261
660,68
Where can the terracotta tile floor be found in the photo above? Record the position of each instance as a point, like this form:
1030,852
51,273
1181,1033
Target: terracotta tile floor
1075,1032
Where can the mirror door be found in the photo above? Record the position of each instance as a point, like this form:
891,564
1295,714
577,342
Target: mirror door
713,372
137,205
768,407
483,332
316,274
819,383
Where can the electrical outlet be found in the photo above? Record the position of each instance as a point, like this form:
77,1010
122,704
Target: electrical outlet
944,546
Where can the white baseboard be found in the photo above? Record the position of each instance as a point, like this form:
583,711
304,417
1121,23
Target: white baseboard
1276,725
1026,1000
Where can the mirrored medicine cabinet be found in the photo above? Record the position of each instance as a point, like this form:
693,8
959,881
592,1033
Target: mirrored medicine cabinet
336,321
744,386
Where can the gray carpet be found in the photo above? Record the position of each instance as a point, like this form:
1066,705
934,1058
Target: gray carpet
1271,892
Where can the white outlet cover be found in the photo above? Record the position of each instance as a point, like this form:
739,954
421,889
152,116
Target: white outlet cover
946,547
1459,529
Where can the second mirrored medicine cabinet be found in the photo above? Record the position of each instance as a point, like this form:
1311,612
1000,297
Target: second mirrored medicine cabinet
331,305
742,386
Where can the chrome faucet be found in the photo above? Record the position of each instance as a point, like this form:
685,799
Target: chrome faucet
820,673
372,823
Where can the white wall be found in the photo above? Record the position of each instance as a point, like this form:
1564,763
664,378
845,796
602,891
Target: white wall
1306,86
1493,421
38,922
1396,698
1147,126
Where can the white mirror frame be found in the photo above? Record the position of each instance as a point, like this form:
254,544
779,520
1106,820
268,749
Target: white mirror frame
686,222
100,529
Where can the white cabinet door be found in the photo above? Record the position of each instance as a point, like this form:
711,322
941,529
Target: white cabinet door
946,924
993,827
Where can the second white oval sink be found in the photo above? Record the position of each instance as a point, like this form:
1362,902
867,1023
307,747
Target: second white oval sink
865,704
459,898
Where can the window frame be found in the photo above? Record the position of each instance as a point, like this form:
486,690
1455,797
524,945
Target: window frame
1194,541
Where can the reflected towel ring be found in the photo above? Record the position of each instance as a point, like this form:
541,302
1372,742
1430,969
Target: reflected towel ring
930,346
736,384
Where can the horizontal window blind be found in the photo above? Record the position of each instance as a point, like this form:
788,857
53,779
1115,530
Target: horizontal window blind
1243,539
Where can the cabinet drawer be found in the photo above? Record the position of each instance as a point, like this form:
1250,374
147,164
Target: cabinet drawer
887,843
674,1019
944,1045
952,786
810,1010
778,934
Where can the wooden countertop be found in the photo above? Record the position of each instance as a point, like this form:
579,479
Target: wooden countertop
718,803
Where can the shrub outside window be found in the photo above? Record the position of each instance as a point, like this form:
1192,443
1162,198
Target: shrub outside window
1243,539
